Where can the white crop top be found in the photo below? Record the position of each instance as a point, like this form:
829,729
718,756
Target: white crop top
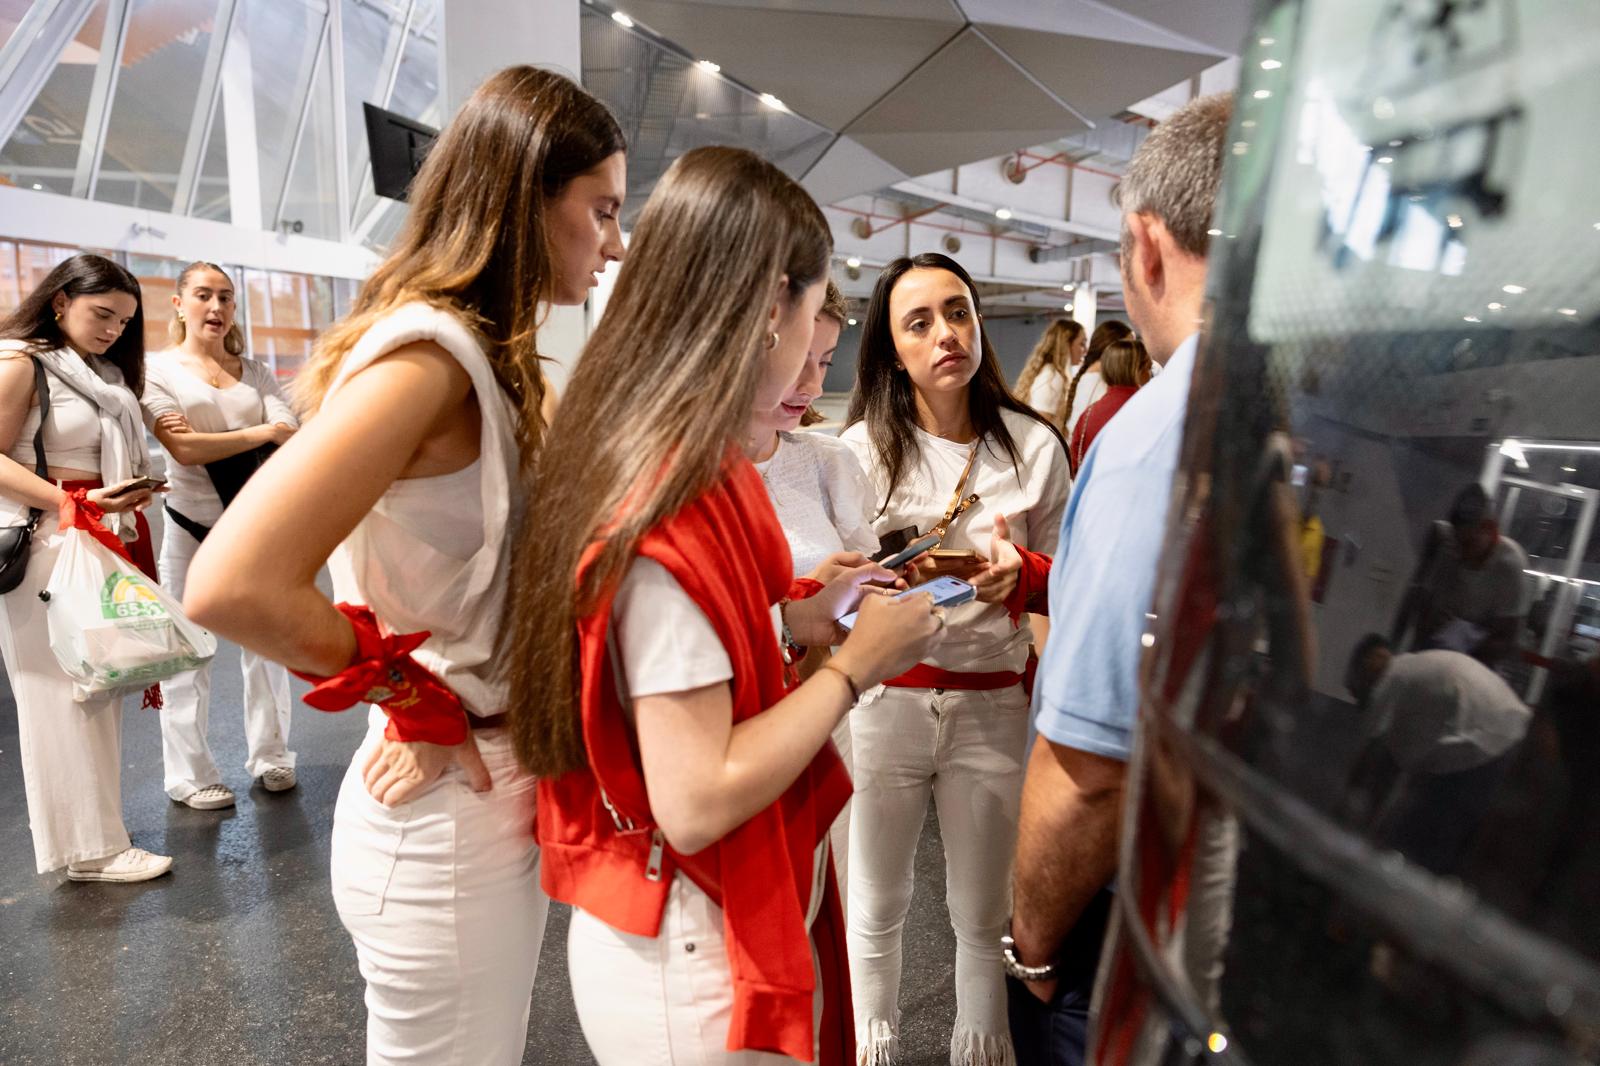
71,433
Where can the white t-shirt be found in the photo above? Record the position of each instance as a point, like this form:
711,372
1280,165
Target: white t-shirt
1441,712
1046,391
255,399
1090,389
1481,595
666,641
821,497
1032,495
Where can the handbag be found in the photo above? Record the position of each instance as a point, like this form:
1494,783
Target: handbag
17,541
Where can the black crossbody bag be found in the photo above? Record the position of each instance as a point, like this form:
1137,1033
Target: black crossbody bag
227,477
17,541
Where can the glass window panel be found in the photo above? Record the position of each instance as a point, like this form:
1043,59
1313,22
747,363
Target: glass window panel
43,151
11,13
310,204
211,198
416,86
371,29
158,280
162,63
278,40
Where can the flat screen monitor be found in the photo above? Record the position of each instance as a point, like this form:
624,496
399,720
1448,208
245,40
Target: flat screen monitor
398,146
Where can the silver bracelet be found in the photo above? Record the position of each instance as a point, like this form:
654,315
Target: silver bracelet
1015,967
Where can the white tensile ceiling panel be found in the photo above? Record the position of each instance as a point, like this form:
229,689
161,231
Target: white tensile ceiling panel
1221,24
934,10
847,168
1093,18
1098,78
924,153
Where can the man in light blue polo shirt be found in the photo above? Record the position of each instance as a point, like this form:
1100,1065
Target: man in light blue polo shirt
1086,696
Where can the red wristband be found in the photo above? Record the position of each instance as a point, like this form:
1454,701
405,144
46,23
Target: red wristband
1033,585
420,706
803,589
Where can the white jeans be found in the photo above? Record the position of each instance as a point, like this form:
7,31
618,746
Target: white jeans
441,896
185,751
71,752
659,1001
965,749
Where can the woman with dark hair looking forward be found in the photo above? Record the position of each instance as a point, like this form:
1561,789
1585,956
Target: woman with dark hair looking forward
75,343
948,448
424,416
686,783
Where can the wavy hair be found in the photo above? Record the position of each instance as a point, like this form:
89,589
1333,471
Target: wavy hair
1054,350
86,274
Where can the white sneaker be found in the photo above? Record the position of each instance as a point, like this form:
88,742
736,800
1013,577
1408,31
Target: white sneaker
278,779
210,798
132,864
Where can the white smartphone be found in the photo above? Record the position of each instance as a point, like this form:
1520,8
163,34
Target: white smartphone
946,592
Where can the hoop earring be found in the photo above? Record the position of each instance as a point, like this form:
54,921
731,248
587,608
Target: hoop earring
180,316
772,340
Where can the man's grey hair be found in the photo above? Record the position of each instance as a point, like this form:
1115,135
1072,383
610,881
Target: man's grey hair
1175,173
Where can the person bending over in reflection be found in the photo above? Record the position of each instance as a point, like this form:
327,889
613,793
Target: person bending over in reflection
219,414
1475,594
1441,726
1087,694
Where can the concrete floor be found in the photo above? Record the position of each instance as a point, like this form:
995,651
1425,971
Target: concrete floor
237,957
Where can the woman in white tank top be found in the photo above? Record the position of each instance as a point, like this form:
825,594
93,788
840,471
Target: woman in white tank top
425,408
85,328
217,413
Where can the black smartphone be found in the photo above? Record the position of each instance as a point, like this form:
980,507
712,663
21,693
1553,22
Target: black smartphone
141,484
910,552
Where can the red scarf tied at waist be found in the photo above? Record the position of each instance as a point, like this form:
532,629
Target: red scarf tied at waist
600,849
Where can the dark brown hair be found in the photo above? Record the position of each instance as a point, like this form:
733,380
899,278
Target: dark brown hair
1125,362
885,399
834,306
86,274
475,243
650,418
1105,335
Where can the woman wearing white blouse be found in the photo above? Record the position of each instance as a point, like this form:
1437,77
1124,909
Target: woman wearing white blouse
206,403
821,496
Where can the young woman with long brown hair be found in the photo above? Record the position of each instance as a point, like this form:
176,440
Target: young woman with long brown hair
947,447
216,411
1049,369
1124,369
75,343
685,793
424,411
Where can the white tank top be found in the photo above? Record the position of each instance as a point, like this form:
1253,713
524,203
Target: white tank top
71,433
432,554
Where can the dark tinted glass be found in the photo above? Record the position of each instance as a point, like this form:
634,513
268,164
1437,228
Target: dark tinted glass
1366,821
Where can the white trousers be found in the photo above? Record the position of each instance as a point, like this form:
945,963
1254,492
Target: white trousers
839,832
441,896
965,749
665,1000
71,752
185,751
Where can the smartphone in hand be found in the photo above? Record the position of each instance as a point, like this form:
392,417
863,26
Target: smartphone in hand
946,592
141,484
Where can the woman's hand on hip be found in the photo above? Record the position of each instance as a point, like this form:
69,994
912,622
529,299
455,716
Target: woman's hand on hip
398,769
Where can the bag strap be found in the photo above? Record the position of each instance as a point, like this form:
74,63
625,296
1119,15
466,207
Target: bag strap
959,504
41,387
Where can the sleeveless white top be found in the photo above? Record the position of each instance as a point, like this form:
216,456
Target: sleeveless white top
71,432
415,558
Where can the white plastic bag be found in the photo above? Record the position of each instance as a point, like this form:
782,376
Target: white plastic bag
111,627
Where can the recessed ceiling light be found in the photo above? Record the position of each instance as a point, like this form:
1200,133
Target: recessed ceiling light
1068,287
850,321
1515,290
1497,306
773,102
1396,144
853,262
36,185
1002,213
1454,221
1384,160
1268,42
1213,233
1262,94
1569,470
708,66
622,20
1566,310
1270,64
1471,318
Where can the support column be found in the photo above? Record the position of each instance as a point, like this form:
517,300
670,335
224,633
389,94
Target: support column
479,37
1084,301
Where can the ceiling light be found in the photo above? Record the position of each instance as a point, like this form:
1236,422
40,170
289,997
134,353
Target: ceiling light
708,66
1248,124
622,20
850,321
1396,144
1515,290
1454,221
1002,213
773,102
1497,306
1566,310
1068,287
1268,42
1569,470
1471,318
1261,94
1213,233
1270,64
36,185
853,262
1384,160
1067,308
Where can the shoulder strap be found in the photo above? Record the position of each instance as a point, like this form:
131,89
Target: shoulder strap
41,386
957,503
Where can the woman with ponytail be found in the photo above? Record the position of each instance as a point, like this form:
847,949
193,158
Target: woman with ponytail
218,414
1086,386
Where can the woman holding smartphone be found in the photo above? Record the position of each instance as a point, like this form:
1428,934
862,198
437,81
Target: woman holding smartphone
218,413
820,495
685,789
76,345
424,416
947,448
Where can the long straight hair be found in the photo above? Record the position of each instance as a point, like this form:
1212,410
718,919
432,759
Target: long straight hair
233,341
86,274
1106,334
662,392
1053,350
884,396
476,243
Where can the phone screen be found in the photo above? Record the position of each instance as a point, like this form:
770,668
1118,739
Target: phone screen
946,592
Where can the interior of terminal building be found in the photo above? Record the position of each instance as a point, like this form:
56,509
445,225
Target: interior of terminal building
1348,499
